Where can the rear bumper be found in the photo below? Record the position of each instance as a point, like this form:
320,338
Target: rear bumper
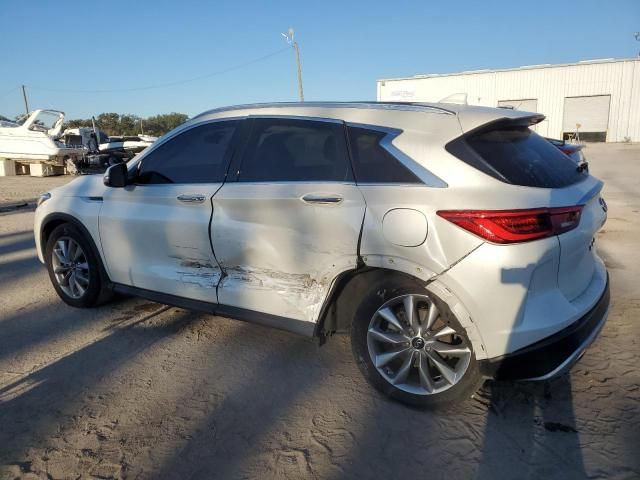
554,355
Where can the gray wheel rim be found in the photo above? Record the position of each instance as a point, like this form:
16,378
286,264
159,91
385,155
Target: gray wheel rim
414,348
70,267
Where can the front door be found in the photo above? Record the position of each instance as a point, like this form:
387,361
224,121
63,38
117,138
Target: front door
290,222
155,233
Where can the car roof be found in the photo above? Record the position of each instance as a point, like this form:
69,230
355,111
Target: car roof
469,116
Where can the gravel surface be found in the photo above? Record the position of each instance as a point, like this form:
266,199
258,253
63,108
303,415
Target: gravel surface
139,390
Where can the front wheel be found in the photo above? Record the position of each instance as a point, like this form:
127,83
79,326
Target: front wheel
410,346
73,268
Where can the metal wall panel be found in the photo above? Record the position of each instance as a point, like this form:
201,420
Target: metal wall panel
526,105
549,84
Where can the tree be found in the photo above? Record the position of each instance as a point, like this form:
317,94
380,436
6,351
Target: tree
115,124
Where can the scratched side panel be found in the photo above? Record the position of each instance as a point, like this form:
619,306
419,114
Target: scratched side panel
281,254
153,241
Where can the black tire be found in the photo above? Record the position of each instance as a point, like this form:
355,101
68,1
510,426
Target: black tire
96,292
380,293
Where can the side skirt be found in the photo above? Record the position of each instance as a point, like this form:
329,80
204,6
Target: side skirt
282,323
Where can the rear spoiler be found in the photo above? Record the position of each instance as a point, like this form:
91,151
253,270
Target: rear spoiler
475,117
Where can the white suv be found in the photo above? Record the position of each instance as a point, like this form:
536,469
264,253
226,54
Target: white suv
452,242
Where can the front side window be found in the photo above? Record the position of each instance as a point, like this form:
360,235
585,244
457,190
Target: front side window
197,155
296,150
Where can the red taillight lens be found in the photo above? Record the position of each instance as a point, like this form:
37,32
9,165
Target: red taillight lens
512,226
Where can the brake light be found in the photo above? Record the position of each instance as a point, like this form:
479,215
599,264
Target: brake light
567,150
513,226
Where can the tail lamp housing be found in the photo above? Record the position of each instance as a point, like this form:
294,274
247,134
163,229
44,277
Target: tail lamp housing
515,226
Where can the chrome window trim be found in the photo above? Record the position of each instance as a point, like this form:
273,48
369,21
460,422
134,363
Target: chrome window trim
303,118
420,171
364,105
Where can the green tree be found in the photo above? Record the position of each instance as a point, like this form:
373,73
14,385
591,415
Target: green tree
115,124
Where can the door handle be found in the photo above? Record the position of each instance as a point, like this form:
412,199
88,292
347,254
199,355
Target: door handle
191,198
322,199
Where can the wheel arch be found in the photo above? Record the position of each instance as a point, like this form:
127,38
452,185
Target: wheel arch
53,220
345,294
349,287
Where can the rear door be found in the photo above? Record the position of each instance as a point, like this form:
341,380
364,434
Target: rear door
290,222
155,233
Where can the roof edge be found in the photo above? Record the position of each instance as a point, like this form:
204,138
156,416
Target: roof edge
512,69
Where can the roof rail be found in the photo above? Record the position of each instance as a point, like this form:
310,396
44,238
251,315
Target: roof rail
405,106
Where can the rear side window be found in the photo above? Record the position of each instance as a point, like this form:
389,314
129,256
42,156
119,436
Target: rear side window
194,156
519,156
296,151
372,163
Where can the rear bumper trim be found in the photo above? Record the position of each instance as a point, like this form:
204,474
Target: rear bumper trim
575,356
554,355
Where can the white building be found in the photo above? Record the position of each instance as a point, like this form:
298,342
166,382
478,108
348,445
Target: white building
598,98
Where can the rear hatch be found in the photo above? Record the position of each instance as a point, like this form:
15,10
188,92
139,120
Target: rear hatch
577,247
509,151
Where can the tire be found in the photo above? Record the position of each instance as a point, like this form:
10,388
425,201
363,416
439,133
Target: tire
91,290
423,373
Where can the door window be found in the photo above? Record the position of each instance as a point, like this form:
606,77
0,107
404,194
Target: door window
197,155
296,150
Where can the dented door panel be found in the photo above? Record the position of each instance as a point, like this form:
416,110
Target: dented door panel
280,252
164,242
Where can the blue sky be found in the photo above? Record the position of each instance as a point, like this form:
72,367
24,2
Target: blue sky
73,47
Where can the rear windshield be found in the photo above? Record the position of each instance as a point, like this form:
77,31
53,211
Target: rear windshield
519,156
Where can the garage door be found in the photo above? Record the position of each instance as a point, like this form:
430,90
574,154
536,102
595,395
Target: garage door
526,105
590,113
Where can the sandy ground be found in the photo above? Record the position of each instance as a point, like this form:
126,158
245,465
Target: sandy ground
139,390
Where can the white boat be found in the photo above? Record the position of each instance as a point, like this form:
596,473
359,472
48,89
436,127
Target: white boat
101,149
34,139
132,143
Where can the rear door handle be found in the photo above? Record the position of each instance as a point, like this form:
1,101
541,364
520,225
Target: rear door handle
191,198
322,199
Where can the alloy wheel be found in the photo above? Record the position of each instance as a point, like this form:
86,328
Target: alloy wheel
414,348
70,267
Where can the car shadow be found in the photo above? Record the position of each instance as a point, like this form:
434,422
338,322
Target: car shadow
36,406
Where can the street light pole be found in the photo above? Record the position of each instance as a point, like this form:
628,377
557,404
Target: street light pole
289,38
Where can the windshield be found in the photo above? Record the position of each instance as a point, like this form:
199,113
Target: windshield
45,120
5,122
22,118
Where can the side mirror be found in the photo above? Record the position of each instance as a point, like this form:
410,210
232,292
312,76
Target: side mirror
116,175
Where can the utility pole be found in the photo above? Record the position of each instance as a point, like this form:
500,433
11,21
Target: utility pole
289,38
637,37
24,95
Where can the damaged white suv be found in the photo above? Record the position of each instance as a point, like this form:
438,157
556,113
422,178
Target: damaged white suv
452,242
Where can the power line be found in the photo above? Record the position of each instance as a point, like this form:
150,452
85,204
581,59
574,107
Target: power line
170,84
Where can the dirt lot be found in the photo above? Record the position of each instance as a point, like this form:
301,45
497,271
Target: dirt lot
140,390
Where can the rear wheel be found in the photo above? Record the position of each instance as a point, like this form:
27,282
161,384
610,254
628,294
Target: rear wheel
73,268
410,346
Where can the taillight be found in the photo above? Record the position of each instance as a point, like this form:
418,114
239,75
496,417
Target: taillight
512,226
567,150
